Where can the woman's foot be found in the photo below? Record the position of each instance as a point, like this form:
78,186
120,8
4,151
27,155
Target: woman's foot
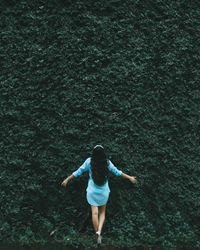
99,238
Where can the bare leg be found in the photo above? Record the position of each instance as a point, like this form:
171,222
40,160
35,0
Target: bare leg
102,213
95,219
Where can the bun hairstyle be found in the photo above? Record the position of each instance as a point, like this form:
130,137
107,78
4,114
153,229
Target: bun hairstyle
99,165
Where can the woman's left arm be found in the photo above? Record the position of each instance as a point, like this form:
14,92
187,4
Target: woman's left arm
64,183
77,173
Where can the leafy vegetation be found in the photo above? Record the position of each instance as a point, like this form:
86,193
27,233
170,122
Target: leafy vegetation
121,73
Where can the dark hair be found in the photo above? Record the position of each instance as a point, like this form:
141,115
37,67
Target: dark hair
99,165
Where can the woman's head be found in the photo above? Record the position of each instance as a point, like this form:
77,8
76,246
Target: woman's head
98,152
99,165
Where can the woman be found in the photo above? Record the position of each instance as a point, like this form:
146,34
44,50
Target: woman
98,189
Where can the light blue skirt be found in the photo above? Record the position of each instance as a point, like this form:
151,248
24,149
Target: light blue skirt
97,199
97,195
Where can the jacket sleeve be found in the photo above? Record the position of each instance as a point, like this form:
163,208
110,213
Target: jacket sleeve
113,169
83,168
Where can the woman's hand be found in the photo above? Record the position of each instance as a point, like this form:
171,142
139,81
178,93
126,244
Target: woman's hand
64,183
133,179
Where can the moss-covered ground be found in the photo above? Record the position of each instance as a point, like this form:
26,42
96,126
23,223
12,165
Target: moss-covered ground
121,73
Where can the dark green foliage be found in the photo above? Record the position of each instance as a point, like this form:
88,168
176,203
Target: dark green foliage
121,73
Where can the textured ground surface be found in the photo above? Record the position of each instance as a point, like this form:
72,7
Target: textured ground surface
121,73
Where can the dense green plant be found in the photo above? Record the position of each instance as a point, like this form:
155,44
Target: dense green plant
122,73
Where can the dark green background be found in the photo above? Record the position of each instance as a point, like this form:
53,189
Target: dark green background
121,73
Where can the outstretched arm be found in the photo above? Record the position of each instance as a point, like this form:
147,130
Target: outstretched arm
77,173
64,183
131,178
117,172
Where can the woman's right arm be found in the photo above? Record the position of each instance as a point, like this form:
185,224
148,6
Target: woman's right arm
130,178
117,172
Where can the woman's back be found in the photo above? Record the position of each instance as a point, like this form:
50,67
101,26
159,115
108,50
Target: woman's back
92,186
98,189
